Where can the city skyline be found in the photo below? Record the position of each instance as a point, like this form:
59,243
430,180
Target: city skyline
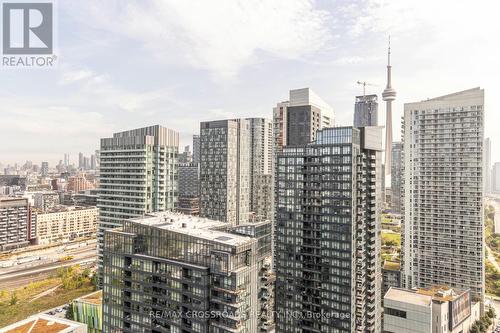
85,97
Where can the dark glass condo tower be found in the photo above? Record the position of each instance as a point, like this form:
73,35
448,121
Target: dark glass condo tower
327,233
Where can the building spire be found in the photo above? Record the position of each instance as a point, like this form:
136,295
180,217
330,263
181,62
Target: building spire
388,96
389,52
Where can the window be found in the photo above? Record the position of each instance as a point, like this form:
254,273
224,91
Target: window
395,312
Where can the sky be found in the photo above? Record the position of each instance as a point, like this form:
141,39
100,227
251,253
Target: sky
124,65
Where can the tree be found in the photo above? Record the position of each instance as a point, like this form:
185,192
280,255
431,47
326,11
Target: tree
13,298
491,313
69,313
474,328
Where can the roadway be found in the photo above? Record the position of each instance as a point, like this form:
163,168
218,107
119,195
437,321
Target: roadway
20,275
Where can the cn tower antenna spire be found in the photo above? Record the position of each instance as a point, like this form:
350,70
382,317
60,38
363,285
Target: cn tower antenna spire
388,96
389,52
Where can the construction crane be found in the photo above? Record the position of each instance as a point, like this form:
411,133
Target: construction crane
364,84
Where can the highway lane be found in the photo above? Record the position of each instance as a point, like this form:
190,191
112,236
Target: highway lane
40,272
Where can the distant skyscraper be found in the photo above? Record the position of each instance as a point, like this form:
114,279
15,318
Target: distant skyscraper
388,96
397,150
328,233
280,125
66,159
138,175
196,149
495,175
189,188
306,114
261,167
443,218
296,121
225,170
44,170
185,156
366,111
80,160
93,162
487,165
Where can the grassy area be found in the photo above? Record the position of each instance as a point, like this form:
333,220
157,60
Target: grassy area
391,239
15,304
493,242
492,280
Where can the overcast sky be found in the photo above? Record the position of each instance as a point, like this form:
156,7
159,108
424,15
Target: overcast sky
128,64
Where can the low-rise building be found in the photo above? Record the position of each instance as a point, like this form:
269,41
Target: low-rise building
435,309
63,224
88,310
42,323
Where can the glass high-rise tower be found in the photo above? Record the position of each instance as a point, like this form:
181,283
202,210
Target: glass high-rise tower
327,233
137,176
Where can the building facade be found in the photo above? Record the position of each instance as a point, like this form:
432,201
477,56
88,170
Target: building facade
88,310
327,233
225,170
65,224
487,165
391,276
397,151
79,183
44,170
495,178
297,120
189,188
261,168
16,227
443,218
162,268
196,149
189,180
436,309
138,175
366,111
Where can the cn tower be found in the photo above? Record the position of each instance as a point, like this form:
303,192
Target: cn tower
388,96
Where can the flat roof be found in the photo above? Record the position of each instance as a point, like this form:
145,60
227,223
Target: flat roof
194,226
42,324
94,298
408,296
441,293
419,295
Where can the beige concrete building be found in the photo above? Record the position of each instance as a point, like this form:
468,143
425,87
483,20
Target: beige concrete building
436,309
65,224
442,197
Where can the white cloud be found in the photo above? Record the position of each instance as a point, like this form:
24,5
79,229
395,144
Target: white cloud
221,36
75,75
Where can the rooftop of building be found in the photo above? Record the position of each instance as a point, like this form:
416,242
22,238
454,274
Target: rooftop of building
93,298
63,208
407,296
7,198
422,296
440,293
194,226
42,324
